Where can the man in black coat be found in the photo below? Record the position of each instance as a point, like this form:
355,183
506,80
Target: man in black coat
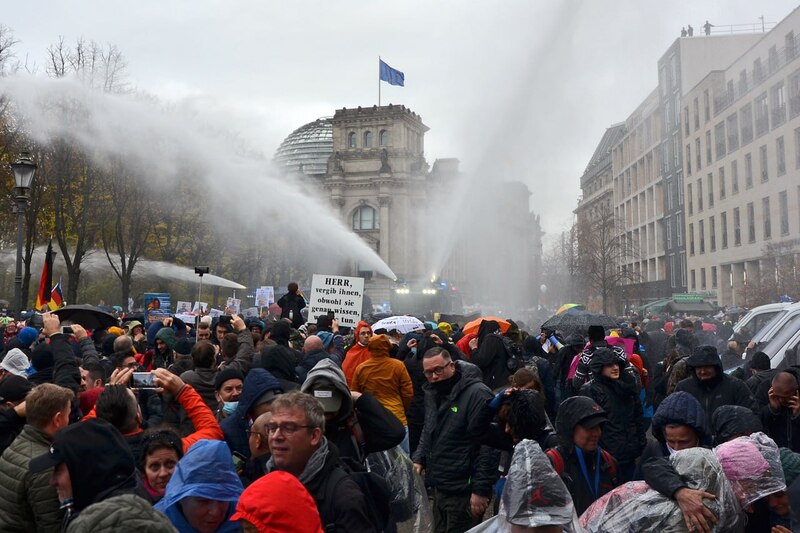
291,304
781,417
710,385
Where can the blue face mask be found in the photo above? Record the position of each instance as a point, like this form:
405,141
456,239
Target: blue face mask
229,407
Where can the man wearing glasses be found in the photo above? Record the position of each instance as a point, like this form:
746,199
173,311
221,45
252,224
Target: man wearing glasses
296,434
460,472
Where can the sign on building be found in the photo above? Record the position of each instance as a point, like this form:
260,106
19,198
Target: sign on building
341,295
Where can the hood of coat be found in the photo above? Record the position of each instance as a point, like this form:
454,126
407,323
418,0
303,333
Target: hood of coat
257,383
379,346
734,420
362,325
279,502
681,408
327,373
575,410
167,336
602,357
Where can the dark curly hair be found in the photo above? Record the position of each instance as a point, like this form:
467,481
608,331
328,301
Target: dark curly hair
526,416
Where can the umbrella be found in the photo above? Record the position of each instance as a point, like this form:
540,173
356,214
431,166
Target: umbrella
403,324
579,321
472,327
566,307
88,316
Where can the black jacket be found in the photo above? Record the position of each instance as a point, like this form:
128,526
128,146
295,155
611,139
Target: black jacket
292,302
782,427
720,390
491,356
624,433
450,448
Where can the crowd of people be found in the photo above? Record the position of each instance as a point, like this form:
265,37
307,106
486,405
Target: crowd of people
279,425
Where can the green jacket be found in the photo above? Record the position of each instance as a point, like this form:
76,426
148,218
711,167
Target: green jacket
127,513
27,501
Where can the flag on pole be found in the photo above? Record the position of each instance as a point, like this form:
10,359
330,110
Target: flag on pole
56,297
390,75
46,282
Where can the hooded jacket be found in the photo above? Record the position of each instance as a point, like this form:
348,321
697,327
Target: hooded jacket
720,390
733,420
257,383
582,371
278,502
356,355
380,428
385,378
450,448
206,471
491,355
126,513
624,434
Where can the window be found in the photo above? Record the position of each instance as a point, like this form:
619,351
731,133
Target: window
691,239
670,195
751,223
788,41
748,171
710,189
702,278
780,155
696,108
742,81
746,123
758,70
365,218
698,157
778,105
672,271
797,148
713,277
737,227
383,138
694,281
367,139
351,139
723,228
689,196
706,105
734,177
772,59
783,205
669,233
701,228
794,94
679,188
682,259
700,195
676,149
719,137
721,183
733,132
762,115
708,148
688,159
678,232
686,121
762,161
767,217
712,233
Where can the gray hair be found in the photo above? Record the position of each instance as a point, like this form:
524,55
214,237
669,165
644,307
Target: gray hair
312,409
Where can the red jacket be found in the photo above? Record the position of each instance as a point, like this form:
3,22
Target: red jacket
278,503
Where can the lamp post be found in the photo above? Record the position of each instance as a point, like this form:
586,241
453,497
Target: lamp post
24,168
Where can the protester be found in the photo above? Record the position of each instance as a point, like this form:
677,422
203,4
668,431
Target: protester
358,352
490,354
277,502
13,390
236,348
15,362
710,385
314,351
280,359
228,387
597,340
258,442
291,304
259,391
781,417
202,377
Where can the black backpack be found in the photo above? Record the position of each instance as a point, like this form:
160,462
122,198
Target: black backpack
514,355
374,487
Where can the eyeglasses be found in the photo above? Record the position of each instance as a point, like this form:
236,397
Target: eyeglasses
131,365
436,371
251,433
287,428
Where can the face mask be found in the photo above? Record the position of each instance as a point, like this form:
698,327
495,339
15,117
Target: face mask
229,407
670,450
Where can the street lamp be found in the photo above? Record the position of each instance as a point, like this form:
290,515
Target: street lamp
24,168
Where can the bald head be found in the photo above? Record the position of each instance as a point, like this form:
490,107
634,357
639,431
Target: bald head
313,344
258,441
785,382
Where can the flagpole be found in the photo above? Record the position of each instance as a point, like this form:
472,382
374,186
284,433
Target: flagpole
379,81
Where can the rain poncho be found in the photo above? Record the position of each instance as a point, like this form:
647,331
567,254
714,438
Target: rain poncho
753,466
635,507
410,507
206,471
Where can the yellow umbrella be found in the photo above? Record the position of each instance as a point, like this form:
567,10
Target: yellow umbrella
565,307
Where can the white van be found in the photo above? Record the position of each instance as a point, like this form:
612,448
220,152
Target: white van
755,319
784,346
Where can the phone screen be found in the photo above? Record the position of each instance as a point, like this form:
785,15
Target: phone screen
225,319
143,380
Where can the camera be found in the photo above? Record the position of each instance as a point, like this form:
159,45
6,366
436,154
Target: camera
67,330
202,270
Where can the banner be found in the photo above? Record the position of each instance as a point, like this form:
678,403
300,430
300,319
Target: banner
156,306
340,294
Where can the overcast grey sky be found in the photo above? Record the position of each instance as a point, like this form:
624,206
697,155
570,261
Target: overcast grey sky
516,89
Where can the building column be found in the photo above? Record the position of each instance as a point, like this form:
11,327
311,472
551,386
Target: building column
384,202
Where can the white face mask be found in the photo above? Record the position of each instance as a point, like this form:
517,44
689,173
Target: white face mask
670,450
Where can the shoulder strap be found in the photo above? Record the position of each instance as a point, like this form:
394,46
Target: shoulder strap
357,434
556,459
612,464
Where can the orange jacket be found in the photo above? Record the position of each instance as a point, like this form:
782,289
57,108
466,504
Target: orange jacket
385,378
203,419
356,355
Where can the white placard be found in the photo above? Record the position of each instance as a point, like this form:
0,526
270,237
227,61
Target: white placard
250,312
200,307
215,313
341,294
183,307
264,296
233,304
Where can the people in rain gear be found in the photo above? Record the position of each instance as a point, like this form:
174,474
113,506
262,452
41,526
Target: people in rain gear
126,513
280,359
491,355
597,340
81,483
356,423
587,470
203,490
260,389
358,353
732,421
278,503
615,391
710,385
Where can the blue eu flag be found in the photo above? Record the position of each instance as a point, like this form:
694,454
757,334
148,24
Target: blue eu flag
392,76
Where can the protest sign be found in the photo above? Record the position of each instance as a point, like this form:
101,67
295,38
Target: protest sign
250,312
264,296
200,307
233,304
156,306
183,307
340,294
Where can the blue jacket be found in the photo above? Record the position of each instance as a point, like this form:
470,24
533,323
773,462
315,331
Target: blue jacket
206,471
256,384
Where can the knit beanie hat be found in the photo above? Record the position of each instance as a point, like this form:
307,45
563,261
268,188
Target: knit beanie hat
225,375
760,361
14,389
42,357
27,336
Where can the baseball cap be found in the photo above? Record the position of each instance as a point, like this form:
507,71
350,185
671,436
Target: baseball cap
329,396
14,389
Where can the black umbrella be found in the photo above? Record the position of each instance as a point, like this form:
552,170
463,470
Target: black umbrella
88,316
579,321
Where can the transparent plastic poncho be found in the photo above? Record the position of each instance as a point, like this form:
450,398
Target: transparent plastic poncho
534,495
410,508
753,466
635,507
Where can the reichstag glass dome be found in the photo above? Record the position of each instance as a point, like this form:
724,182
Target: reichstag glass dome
307,148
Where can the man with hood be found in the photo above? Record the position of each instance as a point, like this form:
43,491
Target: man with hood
358,353
80,482
387,380
597,340
710,385
260,389
490,354
356,423
460,471
160,356
732,421
586,468
679,423
202,493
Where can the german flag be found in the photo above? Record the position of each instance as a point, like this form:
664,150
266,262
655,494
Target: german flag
46,283
56,297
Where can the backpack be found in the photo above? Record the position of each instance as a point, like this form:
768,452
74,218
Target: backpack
558,461
514,355
375,489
